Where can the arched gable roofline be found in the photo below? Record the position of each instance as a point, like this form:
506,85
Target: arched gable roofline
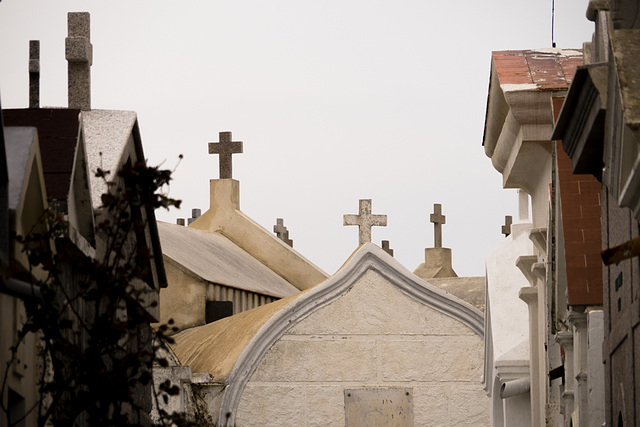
368,257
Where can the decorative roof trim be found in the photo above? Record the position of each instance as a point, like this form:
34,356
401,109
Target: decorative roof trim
367,257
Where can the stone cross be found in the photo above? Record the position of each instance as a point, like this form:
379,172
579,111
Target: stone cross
365,220
437,219
195,214
225,148
79,55
282,232
386,248
506,228
34,73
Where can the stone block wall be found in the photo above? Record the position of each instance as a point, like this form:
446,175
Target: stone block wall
374,336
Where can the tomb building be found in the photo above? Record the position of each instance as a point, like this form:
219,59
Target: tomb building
54,154
437,260
437,268
342,352
598,129
562,265
224,263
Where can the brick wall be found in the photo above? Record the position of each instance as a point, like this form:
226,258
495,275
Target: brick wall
581,224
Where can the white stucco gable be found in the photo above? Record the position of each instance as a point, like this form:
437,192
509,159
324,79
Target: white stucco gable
370,296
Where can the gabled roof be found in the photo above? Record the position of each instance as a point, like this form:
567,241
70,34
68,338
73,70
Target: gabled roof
106,134
58,135
19,147
231,349
217,259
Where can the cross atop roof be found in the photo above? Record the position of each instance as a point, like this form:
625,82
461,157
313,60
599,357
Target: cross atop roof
281,232
225,148
506,228
386,247
437,219
365,220
34,73
79,55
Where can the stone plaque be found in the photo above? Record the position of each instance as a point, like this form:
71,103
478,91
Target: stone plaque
369,407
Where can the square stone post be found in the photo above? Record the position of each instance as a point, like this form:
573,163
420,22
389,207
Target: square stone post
79,55
34,73
530,296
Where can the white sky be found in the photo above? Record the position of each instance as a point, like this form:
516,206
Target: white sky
335,101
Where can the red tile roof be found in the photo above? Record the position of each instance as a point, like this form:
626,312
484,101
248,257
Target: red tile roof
551,69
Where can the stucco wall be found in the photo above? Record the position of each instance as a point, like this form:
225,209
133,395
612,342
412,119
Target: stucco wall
373,336
184,299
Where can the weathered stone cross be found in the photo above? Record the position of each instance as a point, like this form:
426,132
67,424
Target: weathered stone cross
282,232
506,228
365,220
79,55
195,214
386,247
225,148
437,219
34,74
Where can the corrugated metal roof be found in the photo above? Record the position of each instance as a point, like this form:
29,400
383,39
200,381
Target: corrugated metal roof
218,260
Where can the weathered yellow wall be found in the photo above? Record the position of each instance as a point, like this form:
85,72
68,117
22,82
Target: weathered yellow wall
184,299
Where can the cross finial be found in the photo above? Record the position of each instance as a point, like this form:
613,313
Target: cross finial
34,73
386,248
365,220
437,219
79,55
225,148
282,232
195,214
506,228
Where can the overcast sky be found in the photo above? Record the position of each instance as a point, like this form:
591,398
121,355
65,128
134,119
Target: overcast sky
335,101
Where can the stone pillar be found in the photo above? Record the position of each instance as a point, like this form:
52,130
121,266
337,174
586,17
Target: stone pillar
530,296
565,339
595,368
523,206
581,388
34,74
224,194
79,55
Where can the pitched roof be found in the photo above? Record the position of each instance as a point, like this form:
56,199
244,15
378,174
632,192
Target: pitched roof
219,346
231,349
106,134
217,259
18,146
58,135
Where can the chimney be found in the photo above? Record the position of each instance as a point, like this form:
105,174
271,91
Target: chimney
79,55
34,74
